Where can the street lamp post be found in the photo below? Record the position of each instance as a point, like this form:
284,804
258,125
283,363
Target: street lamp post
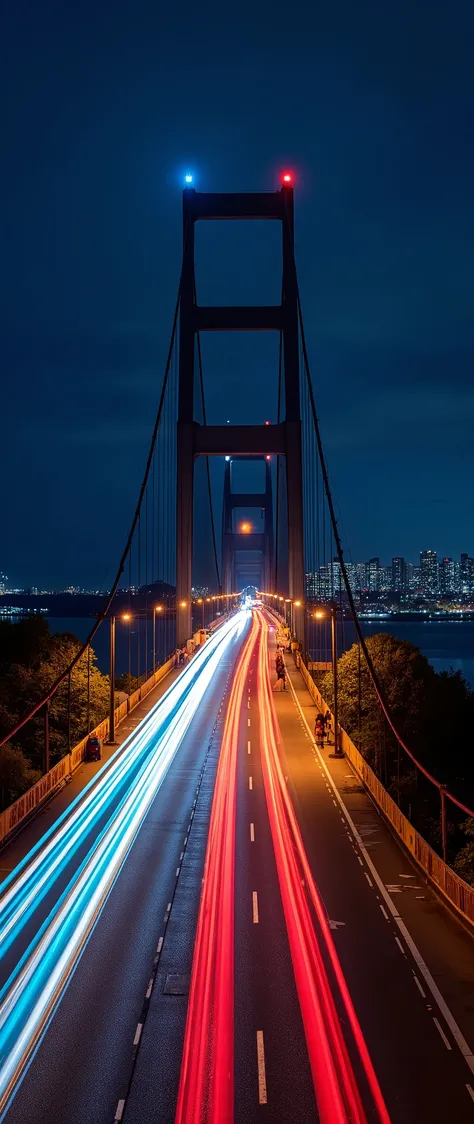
319,614
88,689
337,750
111,738
156,609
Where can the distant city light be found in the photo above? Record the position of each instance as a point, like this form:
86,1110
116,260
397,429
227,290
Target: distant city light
227,458
188,178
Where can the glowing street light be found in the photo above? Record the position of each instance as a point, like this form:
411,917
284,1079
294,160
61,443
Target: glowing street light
245,528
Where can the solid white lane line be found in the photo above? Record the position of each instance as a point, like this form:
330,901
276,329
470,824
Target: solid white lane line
418,984
252,833
255,907
262,1078
443,1036
250,783
138,1034
456,1031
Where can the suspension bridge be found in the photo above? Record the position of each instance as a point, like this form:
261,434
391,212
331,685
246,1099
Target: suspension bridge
223,920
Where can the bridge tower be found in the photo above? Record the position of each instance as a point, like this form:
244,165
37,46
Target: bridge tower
194,440
235,542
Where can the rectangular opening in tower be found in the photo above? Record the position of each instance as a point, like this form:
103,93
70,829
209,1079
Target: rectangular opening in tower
238,262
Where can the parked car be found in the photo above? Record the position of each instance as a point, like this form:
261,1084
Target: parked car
93,748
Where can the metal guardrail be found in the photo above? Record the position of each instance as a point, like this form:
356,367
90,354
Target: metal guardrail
458,893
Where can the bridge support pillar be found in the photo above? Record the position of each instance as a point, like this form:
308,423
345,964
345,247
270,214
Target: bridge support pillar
184,527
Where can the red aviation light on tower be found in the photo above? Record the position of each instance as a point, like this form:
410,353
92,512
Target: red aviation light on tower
287,179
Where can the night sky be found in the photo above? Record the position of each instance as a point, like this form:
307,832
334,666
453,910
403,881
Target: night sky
107,104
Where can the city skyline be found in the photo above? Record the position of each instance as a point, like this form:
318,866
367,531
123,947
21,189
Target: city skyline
433,572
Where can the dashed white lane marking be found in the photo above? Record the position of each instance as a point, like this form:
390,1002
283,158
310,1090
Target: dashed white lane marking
359,859
252,833
255,907
250,783
443,1036
159,945
248,747
248,721
456,1031
120,1108
178,868
248,703
138,1034
369,880
181,856
149,989
399,943
470,1091
418,984
384,911
262,1079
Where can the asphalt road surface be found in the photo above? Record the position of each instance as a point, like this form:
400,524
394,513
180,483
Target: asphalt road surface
84,1062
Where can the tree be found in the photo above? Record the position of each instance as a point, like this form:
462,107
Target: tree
16,774
24,683
464,862
433,713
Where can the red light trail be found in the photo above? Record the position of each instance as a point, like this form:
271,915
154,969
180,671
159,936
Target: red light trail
206,1089
337,1094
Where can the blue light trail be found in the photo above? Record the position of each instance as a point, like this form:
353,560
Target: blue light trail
135,772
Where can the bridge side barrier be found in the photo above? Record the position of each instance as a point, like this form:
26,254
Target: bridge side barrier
457,892
29,802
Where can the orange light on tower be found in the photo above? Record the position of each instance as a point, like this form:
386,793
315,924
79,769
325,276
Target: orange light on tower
245,528
126,616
